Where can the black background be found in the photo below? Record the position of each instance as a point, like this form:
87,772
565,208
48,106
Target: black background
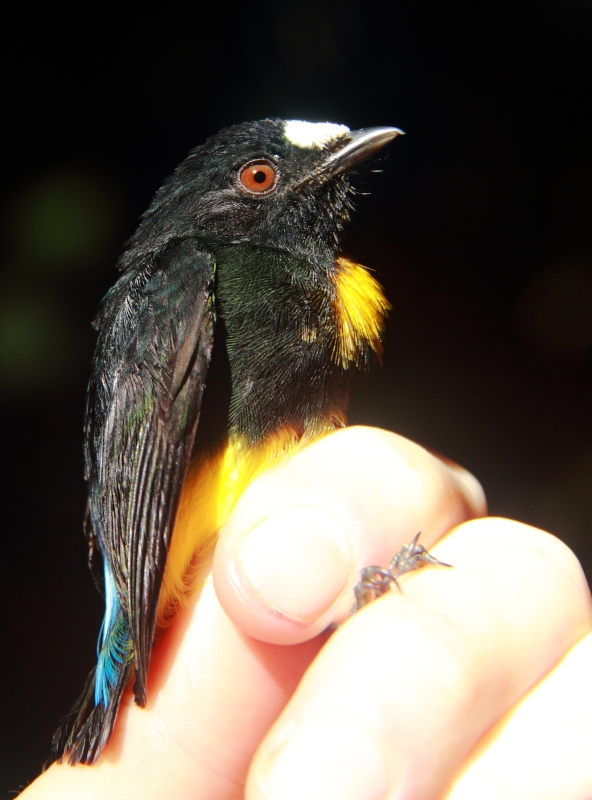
479,229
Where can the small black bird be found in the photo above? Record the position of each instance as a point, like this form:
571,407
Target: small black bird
226,344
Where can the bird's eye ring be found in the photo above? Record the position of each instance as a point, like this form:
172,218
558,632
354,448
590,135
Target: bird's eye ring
258,177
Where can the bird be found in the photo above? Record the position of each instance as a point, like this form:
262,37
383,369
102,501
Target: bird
227,343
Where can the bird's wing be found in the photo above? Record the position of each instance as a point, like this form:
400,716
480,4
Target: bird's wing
155,340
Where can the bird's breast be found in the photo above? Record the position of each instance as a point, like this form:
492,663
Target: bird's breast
288,344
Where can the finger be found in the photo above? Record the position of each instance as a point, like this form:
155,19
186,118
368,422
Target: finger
541,750
399,696
292,550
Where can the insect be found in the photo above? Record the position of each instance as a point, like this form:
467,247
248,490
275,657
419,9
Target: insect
227,343
376,581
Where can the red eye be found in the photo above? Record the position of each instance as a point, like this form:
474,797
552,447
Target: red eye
258,177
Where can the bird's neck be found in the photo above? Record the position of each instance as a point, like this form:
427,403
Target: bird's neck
293,326
276,312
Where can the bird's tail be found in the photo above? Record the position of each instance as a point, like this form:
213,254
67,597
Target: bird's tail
86,730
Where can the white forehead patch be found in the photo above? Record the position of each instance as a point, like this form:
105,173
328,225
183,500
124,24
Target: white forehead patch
312,134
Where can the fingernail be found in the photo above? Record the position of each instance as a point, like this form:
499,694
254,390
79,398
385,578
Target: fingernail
297,562
329,760
471,488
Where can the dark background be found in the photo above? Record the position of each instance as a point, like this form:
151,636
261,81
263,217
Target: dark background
479,229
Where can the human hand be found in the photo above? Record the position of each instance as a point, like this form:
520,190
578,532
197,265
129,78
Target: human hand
417,693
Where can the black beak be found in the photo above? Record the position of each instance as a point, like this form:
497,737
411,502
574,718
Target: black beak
356,146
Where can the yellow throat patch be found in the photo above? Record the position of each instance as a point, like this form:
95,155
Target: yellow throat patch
360,308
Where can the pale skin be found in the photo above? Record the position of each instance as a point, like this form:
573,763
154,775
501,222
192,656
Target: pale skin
473,682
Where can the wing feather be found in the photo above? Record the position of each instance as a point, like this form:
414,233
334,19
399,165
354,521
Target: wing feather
155,342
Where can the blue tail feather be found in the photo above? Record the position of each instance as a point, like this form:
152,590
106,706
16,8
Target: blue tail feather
114,649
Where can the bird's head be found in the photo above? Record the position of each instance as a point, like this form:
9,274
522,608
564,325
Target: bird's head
272,183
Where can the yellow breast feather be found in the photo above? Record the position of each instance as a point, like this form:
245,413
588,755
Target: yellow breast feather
212,489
